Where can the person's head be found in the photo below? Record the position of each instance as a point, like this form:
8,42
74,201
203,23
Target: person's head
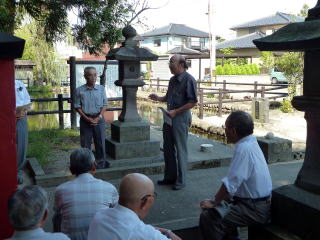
82,160
177,64
239,124
27,208
137,193
90,74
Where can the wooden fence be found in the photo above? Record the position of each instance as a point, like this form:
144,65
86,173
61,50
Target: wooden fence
203,90
60,99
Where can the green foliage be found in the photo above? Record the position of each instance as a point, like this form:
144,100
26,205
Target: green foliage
229,69
227,51
99,21
46,88
49,67
267,60
291,64
42,143
286,106
304,11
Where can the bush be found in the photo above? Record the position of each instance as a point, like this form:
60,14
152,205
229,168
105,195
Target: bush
229,69
286,106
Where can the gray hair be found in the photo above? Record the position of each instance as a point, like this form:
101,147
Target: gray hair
86,69
26,207
242,122
81,161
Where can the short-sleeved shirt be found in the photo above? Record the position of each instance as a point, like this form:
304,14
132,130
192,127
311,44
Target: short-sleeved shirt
22,95
121,223
248,175
79,199
182,89
37,234
91,100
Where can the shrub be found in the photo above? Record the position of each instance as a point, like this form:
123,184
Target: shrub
286,106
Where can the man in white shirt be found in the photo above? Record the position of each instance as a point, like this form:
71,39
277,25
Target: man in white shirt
124,222
22,103
77,201
248,182
28,211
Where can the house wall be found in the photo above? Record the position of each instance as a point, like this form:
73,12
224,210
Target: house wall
163,48
265,29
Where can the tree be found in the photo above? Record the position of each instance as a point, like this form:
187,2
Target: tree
49,68
267,60
100,21
304,11
291,64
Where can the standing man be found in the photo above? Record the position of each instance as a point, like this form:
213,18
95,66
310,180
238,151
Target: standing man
91,103
248,182
180,97
22,104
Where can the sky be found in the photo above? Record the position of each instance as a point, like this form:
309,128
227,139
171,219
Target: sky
227,13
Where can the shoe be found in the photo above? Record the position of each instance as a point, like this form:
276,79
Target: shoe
178,187
165,182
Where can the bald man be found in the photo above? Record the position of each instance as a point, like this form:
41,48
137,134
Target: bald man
180,97
124,222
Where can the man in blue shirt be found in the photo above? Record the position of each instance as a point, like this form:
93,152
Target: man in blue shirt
91,103
181,97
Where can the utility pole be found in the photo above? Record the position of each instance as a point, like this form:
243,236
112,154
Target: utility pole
212,39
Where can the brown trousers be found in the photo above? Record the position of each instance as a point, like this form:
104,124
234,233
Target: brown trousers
241,213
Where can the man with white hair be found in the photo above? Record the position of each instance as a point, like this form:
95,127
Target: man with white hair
78,200
28,211
124,222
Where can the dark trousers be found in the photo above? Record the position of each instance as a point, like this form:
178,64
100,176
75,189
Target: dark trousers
242,213
175,149
22,144
97,132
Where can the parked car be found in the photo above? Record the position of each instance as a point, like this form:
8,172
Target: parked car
277,77
207,77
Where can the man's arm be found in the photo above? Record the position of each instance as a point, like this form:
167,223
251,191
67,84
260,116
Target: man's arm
155,97
222,194
175,112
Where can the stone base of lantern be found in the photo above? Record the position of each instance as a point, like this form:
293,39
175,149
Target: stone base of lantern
131,140
294,210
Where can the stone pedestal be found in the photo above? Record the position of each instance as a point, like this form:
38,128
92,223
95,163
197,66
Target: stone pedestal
131,140
276,149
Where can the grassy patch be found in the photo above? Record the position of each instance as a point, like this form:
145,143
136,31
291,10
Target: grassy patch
43,142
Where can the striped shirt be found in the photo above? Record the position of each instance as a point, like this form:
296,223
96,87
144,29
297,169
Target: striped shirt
91,100
79,199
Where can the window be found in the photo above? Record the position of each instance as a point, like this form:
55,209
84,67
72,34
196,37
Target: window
157,42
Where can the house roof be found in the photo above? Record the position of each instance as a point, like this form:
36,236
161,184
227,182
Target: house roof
184,51
276,19
241,42
177,30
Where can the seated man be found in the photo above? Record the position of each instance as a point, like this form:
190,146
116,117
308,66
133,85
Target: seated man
124,221
28,212
248,181
78,200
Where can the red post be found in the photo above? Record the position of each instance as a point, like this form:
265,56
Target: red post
10,48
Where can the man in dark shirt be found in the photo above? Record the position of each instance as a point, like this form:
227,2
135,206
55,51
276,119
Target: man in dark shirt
180,97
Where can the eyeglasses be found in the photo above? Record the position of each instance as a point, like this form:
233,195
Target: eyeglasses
154,195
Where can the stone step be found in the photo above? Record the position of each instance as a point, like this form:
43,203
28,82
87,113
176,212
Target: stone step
270,232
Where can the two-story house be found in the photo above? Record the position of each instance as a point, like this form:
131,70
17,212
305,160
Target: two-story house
243,46
166,38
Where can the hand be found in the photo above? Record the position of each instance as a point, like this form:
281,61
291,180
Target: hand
20,114
207,203
153,97
95,121
168,233
172,113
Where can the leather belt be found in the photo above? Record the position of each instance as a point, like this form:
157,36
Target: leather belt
252,199
93,115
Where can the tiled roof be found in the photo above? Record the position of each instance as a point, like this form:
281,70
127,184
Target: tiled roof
278,18
241,42
176,30
184,51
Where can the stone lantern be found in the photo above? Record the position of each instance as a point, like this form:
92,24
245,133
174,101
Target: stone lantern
130,136
297,207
